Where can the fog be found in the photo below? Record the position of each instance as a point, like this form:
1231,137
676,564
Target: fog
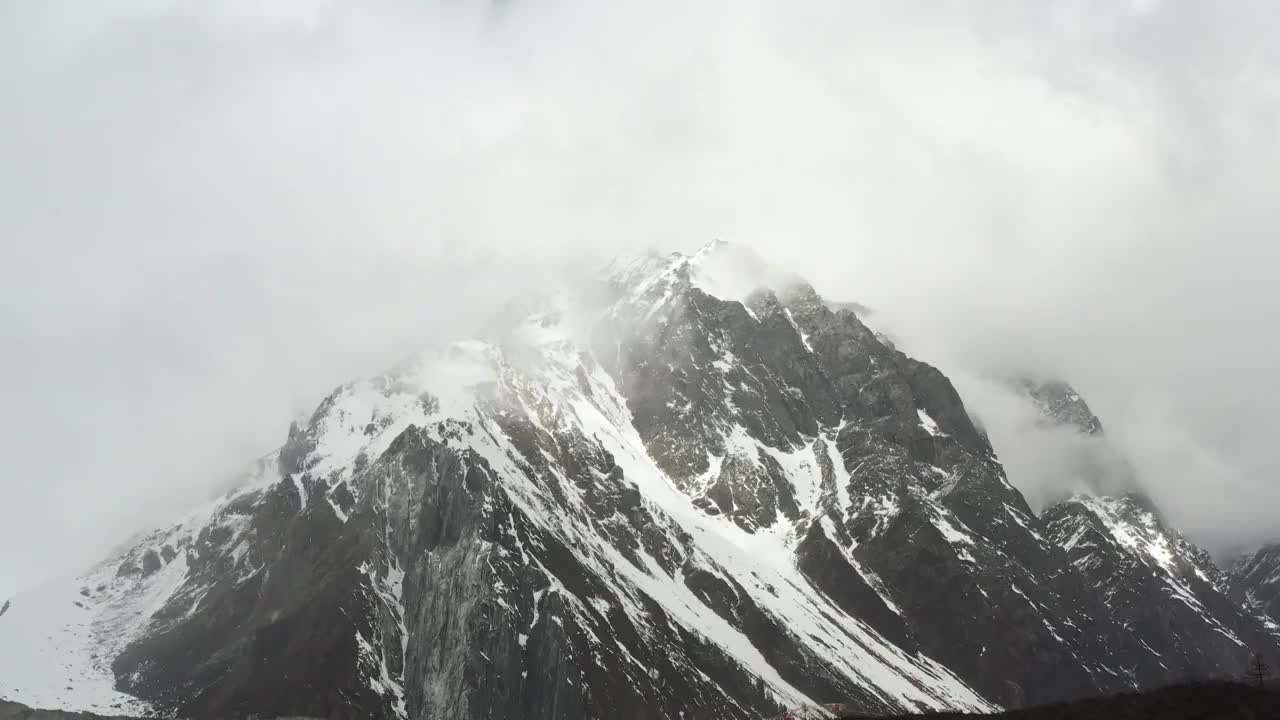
212,213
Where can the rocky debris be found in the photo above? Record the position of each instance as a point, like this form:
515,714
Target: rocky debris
830,711
151,562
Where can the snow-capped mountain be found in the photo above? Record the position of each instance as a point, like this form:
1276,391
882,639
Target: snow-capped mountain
685,497
1165,591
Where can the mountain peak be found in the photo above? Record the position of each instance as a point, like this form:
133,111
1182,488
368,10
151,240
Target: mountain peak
1059,402
722,269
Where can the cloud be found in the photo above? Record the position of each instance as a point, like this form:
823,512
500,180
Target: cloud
211,213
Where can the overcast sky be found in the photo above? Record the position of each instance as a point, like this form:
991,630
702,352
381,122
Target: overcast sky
212,213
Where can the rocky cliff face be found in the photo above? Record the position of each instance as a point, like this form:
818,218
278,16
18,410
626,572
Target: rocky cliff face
685,500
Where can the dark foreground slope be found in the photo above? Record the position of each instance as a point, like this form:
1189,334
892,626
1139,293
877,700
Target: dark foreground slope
18,711
1206,701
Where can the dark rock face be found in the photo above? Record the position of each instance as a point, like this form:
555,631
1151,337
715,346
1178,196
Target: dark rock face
266,621
703,508
1255,578
151,562
931,517
935,520
473,627
528,650
697,368
822,561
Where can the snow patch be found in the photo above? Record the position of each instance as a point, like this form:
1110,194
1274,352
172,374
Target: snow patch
928,424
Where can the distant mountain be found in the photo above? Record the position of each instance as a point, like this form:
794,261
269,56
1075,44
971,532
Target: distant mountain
1088,462
1256,579
693,490
1177,607
1060,404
